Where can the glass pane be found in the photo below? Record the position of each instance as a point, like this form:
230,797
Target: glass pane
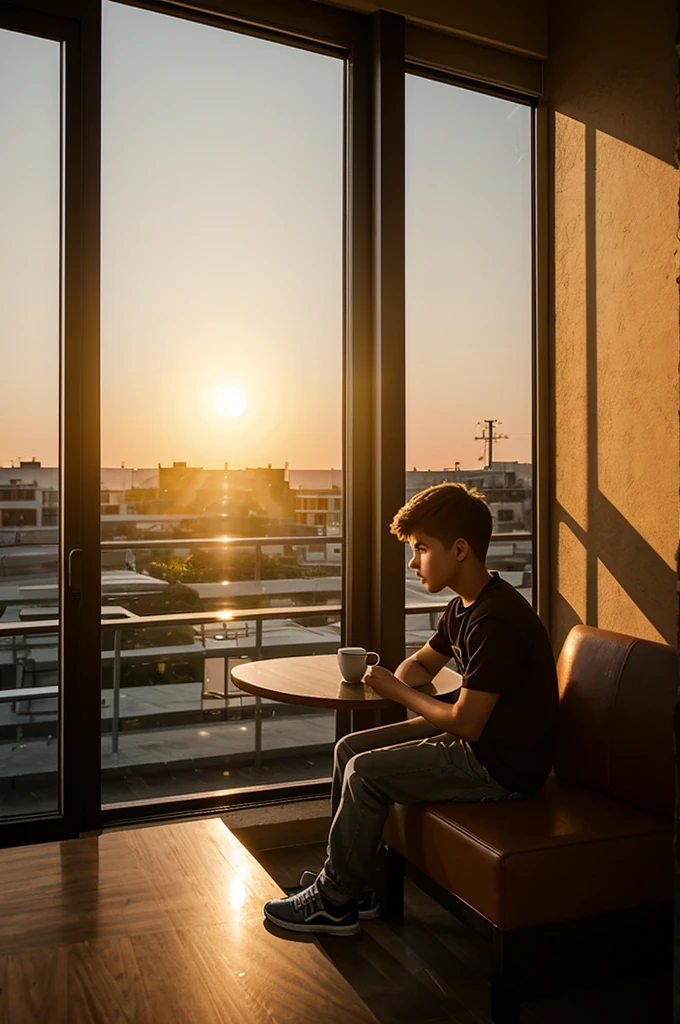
221,398
30,129
469,317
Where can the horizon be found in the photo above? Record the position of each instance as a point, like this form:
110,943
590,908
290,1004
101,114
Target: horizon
286,467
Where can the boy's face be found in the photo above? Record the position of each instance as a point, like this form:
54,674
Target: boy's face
436,567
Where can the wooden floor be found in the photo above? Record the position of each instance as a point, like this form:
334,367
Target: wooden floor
158,925
164,925
430,969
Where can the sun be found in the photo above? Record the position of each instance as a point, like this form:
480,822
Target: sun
230,403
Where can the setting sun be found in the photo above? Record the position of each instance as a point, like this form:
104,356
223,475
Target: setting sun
230,402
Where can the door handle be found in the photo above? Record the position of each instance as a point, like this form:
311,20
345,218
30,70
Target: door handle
74,578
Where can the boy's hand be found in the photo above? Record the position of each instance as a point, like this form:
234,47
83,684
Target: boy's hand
385,683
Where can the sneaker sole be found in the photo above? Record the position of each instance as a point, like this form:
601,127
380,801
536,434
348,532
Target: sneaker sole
329,929
369,915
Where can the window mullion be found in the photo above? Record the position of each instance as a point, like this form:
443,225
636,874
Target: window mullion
389,331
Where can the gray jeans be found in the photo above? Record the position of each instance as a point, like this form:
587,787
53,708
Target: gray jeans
407,763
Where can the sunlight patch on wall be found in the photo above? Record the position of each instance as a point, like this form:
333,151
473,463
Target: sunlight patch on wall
571,439
637,339
572,570
617,610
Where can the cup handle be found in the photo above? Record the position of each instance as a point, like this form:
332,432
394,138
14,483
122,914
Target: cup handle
372,658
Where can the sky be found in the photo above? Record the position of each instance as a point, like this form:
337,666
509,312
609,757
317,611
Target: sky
222,162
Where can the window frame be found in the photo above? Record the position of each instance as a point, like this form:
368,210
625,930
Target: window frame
527,90
379,49
75,26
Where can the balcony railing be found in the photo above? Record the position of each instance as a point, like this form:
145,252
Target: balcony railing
205,647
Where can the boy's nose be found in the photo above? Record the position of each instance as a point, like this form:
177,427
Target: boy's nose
413,564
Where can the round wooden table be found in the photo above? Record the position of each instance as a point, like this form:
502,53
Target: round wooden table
316,680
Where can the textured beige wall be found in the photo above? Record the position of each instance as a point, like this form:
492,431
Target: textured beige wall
611,83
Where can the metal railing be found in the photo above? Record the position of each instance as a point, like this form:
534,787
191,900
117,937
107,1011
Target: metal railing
297,540
222,617
117,657
256,543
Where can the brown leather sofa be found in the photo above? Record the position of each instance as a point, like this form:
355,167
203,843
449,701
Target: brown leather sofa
592,853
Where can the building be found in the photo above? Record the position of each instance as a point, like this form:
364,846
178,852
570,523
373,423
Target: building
29,496
318,498
224,492
507,487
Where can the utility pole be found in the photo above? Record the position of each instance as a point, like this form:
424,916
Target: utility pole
490,437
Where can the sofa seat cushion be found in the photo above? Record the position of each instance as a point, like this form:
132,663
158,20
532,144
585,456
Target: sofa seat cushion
564,854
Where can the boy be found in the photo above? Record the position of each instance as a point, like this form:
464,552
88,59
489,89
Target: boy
493,741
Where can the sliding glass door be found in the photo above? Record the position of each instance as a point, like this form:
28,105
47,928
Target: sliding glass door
48,426
222,379
30,329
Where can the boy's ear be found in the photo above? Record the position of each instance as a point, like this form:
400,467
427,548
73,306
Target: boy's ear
461,548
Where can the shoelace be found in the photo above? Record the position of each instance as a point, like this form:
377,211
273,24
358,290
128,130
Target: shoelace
311,896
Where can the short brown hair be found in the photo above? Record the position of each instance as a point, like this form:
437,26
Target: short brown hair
447,511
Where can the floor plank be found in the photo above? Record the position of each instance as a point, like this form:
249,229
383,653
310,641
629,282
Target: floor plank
35,989
105,983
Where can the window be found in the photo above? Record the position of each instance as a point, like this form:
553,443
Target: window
469,335
18,517
222,247
228,208
16,494
30,281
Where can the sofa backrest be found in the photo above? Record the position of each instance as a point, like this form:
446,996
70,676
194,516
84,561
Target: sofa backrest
617,696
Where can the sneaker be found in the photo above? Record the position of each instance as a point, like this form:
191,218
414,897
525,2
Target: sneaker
308,911
368,906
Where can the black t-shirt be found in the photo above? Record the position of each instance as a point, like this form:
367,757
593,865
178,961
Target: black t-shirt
500,646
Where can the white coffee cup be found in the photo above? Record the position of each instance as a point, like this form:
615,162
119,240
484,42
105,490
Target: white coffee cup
354,661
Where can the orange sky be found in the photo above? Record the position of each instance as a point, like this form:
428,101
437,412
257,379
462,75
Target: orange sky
222,253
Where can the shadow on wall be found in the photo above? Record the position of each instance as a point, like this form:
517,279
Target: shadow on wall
615,415
613,66
611,84
616,548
